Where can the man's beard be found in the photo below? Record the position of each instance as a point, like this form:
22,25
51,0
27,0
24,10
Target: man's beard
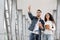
38,16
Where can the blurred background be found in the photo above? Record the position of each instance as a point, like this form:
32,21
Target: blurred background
14,20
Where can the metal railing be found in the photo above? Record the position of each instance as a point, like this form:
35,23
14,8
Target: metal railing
15,20
8,19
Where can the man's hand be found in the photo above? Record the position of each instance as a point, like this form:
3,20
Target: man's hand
29,8
40,26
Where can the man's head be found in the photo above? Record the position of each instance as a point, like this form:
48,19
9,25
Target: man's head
38,13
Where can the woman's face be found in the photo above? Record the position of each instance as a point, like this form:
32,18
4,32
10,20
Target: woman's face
47,16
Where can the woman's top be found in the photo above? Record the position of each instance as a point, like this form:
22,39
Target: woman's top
51,26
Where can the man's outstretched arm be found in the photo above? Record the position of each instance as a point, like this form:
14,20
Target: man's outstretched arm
29,13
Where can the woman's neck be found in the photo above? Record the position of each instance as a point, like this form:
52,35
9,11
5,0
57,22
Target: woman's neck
47,19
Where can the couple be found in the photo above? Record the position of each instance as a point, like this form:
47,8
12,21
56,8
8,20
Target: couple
38,25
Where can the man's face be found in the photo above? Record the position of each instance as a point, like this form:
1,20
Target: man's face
38,13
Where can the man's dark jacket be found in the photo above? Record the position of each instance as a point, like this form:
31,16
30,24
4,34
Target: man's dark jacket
34,21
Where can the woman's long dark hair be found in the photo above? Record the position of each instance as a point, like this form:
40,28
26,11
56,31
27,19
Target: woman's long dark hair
51,18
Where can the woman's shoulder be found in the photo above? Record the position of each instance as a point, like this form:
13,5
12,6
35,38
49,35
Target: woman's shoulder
48,22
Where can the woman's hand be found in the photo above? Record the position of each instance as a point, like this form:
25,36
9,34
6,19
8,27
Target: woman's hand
47,27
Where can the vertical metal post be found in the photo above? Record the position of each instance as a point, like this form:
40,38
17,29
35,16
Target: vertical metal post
8,19
20,21
58,18
16,24
24,25
14,19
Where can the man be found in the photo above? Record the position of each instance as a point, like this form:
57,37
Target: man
36,26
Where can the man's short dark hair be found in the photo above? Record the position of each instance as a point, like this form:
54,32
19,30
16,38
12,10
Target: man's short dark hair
39,10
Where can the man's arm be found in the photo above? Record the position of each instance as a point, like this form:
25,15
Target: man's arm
41,25
29,13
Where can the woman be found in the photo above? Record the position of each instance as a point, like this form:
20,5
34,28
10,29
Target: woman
49,27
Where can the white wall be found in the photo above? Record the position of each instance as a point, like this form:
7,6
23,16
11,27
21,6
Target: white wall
1,19
44,5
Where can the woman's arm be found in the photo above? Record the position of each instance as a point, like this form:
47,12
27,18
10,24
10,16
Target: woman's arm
53,27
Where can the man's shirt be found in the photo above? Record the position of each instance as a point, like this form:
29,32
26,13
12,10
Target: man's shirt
36,29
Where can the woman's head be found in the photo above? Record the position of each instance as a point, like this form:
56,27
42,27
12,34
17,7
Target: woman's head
48,16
